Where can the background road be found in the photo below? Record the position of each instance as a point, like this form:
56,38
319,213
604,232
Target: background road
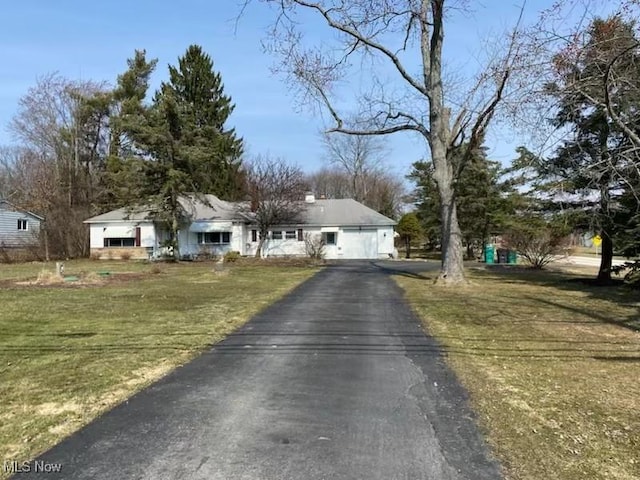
335,381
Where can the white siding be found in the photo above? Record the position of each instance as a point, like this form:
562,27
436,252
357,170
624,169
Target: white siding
148,235
99,231
284,247
238,238
96,235
385,242
119,231
351,243
205,226
273,247
189,239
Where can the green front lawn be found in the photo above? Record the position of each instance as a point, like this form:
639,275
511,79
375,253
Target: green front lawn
69,351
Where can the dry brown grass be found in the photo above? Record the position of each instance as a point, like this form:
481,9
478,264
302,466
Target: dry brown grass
46,277
552,366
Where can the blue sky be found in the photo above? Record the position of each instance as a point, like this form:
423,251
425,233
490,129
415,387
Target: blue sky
92,40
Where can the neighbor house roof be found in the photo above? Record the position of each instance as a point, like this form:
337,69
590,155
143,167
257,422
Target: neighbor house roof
336,212
17,209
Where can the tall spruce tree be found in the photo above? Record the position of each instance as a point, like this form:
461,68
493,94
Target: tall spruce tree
597,87
204,109
177,147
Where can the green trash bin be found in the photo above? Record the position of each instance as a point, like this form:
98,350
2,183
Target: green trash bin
512,257
489,254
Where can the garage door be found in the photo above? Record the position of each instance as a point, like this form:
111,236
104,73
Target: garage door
358,243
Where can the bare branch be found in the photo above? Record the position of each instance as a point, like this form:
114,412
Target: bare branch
365,40
607,97
276,192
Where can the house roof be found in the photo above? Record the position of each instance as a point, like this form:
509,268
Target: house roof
17,209
334,212
197,209
345,211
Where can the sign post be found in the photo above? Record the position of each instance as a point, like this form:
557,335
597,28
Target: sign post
597,241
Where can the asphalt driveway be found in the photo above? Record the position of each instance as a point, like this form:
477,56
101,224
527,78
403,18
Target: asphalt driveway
335,381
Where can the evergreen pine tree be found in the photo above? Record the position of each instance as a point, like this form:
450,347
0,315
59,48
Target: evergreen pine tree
211,151
177,147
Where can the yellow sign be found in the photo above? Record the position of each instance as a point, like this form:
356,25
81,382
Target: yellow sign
597,240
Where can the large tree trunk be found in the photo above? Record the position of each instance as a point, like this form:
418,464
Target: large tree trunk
606,258
407,244
439,139
452,267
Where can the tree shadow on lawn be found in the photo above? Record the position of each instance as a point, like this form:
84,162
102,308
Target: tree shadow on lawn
618,292
420,270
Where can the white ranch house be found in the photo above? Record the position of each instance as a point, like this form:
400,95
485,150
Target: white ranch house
349,229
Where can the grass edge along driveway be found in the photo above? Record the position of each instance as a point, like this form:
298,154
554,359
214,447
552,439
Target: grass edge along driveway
552,366
71,351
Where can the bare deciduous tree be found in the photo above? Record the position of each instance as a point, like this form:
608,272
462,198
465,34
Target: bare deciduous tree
377,40
276,195
384,192
360,157
329,182
62,129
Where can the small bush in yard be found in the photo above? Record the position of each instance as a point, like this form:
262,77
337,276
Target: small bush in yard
206,253
536,240
125,256
314,246
231,257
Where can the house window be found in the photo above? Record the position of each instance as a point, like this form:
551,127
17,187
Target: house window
300,235
276,235
214,238
23,224
119,242
330,238
290,234
254,236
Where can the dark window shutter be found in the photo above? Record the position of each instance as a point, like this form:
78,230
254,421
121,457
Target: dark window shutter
300,235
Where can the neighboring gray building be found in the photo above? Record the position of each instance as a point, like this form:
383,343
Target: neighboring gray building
18,228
